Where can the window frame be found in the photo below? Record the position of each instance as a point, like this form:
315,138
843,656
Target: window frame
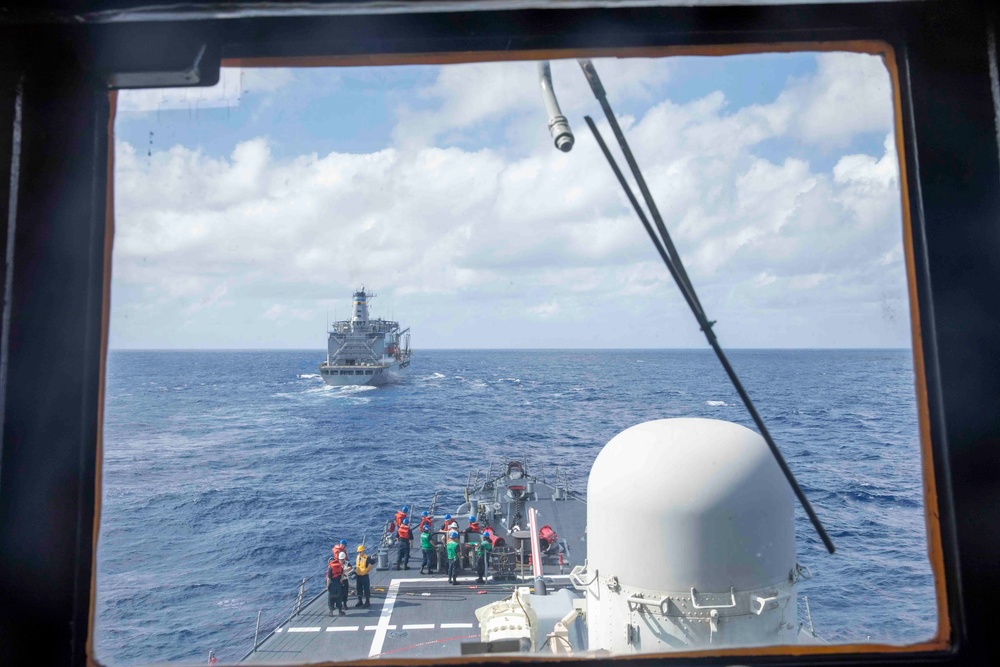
60,228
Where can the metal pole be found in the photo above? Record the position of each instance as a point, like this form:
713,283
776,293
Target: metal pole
536,551
687,290
256,632
562,136
298,602
594,80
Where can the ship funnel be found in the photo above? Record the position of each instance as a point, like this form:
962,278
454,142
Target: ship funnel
361,306
691,540
558,125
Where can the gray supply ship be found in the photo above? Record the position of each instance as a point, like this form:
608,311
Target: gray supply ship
694,548
363,351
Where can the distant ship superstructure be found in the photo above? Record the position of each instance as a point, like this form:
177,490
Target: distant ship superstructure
363,351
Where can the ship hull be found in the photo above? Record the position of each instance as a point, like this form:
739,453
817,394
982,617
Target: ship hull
373,376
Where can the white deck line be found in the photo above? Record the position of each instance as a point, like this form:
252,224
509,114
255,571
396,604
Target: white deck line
376,627
419,626
313,629
343,628
383,621
455,625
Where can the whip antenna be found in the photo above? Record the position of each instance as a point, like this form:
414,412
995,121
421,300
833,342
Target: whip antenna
668,253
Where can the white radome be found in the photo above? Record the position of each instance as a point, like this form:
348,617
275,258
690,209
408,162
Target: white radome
690,539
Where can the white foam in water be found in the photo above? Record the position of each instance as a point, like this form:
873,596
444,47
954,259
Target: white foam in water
438,376
349,389
355,388
308,376
716,404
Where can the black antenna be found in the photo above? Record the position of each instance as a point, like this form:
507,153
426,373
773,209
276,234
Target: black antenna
668,253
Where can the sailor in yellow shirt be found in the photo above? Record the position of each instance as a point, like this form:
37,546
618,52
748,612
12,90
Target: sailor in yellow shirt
362,568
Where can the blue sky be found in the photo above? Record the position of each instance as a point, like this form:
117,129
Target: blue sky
247,211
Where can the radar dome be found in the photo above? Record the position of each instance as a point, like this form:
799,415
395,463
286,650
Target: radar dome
676,504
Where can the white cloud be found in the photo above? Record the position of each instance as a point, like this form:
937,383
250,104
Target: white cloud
849,93
545,310
467,96
460,237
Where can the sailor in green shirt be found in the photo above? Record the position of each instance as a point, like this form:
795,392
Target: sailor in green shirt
452,549
427,550
482,554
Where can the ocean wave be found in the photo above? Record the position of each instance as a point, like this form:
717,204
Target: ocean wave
308,376
717,404
345,390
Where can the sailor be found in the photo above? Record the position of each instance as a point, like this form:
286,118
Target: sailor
425,520
404,535
483,550
212,660
488,537
362,568
339,548
473,525
453,555
426,550
334,571
400,515
345,579
548,540
447,520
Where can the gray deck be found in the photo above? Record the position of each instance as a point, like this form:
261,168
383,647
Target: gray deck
423,616
410,617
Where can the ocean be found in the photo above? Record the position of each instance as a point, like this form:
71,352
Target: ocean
227,475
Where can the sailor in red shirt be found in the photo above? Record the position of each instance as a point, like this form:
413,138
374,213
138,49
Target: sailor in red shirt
449,524
548,540
398,519
425,520
473,525
334,571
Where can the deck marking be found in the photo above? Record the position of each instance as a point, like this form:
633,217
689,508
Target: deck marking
343,628
277,629
428,643
383,620
313,629
455,625
376,627
419,626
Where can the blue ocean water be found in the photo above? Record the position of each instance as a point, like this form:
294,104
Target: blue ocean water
227,475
